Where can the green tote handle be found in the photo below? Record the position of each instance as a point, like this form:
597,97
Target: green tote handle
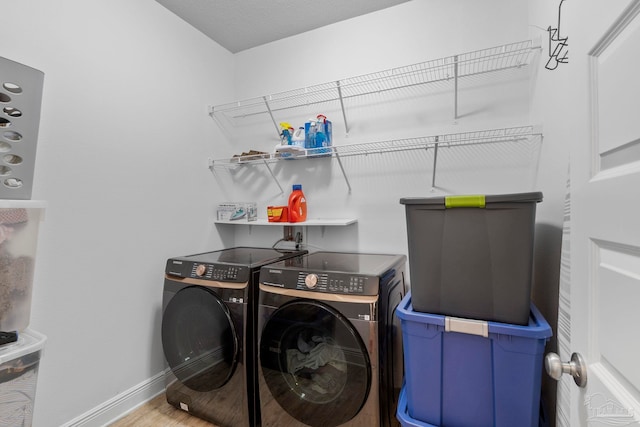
470,201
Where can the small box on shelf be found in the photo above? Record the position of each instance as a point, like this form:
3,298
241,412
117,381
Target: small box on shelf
235,211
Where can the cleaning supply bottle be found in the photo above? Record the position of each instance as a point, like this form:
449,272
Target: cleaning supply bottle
285,133
310,134
297,205
321,136
298,137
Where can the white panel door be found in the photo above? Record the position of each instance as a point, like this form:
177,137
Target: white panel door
604,58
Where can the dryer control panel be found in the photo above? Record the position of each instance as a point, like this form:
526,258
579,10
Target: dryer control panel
207,271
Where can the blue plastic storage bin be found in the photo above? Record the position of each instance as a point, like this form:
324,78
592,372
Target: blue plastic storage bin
402,413
461,372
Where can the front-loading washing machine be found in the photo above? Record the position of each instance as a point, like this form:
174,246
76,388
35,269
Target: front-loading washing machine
330,347
208,333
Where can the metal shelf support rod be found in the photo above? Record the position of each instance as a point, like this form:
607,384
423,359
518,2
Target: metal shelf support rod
435,162
344,113
266,103
455,87
273,176
346,180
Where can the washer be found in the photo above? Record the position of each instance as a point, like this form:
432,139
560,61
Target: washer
208,333
330,347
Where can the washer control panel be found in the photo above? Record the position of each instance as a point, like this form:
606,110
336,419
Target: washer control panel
334,283
326,282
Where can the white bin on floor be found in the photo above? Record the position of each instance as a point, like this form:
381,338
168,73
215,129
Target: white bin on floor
18,377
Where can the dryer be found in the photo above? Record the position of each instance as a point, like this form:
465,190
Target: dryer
330,349
208,333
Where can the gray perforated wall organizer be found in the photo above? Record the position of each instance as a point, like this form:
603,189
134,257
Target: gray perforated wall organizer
20,100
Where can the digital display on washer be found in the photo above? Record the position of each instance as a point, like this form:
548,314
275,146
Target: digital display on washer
228,265
332,272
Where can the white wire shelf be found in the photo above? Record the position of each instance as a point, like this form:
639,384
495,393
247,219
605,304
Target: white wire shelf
492,136
512,135
509,56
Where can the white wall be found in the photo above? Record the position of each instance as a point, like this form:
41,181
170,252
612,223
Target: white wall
422,30
548,89
413,32
121,162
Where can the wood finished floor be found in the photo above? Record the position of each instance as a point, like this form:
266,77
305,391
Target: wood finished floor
158,413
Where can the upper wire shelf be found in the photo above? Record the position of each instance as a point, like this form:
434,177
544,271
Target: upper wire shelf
454,67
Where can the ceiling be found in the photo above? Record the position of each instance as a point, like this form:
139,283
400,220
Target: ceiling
238,25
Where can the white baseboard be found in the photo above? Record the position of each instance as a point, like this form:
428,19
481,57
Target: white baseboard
121,404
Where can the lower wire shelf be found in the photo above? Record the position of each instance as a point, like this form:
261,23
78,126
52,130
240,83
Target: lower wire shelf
512,135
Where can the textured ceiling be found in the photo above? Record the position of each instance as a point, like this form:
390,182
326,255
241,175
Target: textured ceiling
238,25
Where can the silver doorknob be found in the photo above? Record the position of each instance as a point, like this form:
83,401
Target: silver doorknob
577,368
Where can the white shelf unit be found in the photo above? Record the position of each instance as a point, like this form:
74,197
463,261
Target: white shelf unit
451,68
288,227
401,80
315,222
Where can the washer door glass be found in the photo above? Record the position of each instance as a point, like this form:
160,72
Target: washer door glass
199,339
315,363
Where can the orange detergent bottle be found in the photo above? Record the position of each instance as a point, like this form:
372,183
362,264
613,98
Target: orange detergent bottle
297,205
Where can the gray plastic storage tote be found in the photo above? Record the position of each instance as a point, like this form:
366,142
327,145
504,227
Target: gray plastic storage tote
472,256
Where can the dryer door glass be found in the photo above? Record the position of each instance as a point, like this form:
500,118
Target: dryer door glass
199,339
315,363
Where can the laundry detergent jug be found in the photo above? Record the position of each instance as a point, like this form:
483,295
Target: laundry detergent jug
297,205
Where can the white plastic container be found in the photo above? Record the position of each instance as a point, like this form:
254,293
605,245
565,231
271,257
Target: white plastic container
19,363
19,225
298,137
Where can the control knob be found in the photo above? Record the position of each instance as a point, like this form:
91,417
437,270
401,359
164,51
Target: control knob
311,280
201,270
